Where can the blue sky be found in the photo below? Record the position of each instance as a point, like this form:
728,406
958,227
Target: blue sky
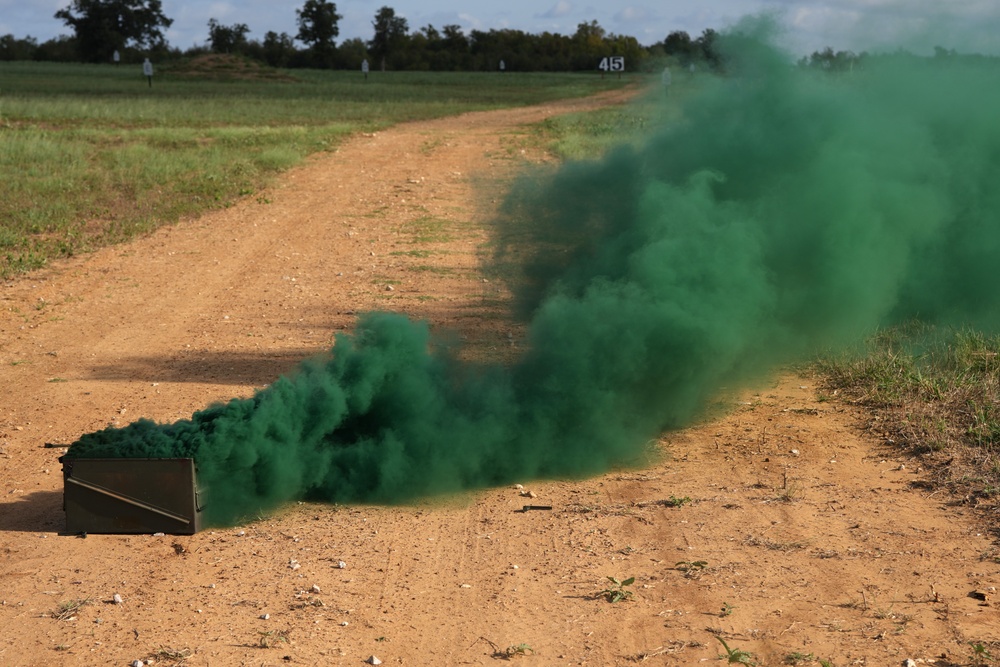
964,25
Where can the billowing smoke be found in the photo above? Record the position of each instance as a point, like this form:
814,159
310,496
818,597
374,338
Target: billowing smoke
788,211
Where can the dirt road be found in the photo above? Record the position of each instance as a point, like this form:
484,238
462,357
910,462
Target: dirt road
778,528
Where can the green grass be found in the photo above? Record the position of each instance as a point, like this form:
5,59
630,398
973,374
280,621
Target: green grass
93,156
587,135
430,229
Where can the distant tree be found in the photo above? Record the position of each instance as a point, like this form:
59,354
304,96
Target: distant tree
12,48
707,48
227,38
589,33
61,49
589,45
454,38
454,49
629,48
390,33
828,60
318,27
554,52
277,50
102,26
514,47
680,45
351,53
422,49
432,34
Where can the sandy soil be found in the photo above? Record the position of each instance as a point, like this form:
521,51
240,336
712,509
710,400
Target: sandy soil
802,535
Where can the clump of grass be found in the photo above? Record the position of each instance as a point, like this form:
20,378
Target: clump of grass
177,657
767,543
70,608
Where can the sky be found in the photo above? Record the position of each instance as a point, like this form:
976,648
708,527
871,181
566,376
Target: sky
968,26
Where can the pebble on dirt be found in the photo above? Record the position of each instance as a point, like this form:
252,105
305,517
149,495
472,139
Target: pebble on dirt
117,599
373,661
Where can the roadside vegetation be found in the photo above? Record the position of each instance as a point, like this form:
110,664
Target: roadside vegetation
93,155
933,392
582,136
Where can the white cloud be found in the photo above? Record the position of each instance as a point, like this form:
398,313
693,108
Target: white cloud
558,10
633,15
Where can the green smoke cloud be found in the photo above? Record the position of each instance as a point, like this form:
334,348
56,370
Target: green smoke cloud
789,211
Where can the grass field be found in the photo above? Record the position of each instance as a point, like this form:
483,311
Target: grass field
93,155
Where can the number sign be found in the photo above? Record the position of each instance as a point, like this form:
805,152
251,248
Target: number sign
612,64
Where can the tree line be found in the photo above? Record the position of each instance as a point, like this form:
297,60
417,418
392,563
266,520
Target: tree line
134,29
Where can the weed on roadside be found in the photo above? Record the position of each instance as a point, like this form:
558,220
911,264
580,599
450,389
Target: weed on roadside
934,393
735,656
980,654
618,590
692,569
515,650
509,653
68,610
175,657
754,541
271,638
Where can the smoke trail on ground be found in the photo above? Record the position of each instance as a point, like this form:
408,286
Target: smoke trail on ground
789,211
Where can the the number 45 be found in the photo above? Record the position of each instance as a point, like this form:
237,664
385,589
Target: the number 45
612,64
